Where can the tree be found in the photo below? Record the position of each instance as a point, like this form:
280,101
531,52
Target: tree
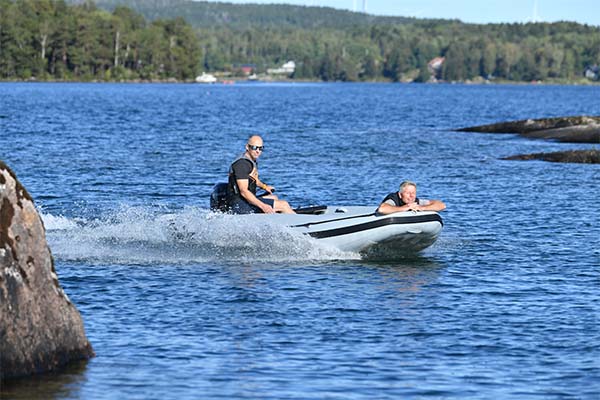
424,74
49,39
370,67
454,68
488,60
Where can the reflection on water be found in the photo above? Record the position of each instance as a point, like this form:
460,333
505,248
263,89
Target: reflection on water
409,274
65,383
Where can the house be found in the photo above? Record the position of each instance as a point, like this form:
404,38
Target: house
435,66
286,69
592,72
246,69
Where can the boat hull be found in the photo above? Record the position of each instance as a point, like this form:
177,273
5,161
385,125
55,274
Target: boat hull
360,229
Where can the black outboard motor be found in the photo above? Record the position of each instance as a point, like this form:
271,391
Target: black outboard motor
218,198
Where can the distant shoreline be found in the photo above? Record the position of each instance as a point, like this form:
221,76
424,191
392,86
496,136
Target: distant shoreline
238,81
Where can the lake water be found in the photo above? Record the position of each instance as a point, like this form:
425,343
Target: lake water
505,305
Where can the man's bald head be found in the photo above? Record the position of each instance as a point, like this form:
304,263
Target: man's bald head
255,140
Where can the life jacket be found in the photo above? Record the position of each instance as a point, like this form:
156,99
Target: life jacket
395,197
233,191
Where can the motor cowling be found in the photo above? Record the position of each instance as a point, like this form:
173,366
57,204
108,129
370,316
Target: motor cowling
218,198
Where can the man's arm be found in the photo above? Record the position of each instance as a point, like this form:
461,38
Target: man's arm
432,205
385,208
242,184
264,186
429,205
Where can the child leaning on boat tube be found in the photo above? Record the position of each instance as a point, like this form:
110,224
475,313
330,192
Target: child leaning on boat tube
406,200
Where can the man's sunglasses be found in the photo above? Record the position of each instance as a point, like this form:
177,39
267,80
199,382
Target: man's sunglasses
253,147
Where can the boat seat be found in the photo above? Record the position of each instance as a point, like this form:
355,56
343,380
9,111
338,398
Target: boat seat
313,210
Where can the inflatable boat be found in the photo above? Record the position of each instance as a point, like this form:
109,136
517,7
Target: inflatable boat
355,228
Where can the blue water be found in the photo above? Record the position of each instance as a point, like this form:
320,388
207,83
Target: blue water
505,305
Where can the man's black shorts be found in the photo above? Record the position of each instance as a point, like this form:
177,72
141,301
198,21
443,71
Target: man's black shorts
243,207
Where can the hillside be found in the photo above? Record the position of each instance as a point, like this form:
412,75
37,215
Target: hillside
202,14
214,15
177,39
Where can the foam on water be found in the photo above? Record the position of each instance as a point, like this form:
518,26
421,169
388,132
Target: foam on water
141,235
52,222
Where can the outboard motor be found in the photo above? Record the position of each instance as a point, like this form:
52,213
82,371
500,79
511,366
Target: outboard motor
218,198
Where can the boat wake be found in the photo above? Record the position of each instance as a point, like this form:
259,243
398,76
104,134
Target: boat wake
141,235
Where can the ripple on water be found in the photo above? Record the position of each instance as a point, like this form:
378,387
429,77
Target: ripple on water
178,302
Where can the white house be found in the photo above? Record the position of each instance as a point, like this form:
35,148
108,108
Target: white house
288,68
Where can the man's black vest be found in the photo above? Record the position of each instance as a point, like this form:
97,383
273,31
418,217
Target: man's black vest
233,191
395,197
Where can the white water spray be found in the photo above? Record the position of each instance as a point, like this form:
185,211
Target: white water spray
139,235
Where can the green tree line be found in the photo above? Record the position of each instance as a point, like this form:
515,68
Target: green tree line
51,39
401,52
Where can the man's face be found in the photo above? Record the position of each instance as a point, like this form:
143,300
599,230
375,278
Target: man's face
255,148
408,194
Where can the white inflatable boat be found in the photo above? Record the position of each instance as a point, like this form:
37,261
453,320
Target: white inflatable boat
360,229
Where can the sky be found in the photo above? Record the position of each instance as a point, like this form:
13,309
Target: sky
474,11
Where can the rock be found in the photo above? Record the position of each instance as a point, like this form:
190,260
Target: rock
531,125
40,329
571,156
577,129
571,134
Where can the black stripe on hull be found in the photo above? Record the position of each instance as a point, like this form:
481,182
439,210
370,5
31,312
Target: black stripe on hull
377,224
327,221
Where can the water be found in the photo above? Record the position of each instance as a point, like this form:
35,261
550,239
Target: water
504,305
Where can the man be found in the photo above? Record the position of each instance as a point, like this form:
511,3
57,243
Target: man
406,200
243,181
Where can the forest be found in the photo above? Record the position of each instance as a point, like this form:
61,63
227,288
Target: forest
122,40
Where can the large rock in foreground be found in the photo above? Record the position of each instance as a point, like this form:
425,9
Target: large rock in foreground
40,329
572,156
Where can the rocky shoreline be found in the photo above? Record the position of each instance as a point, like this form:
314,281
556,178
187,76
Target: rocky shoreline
573,129
569,156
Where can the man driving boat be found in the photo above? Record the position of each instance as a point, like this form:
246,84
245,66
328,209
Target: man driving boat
243,181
